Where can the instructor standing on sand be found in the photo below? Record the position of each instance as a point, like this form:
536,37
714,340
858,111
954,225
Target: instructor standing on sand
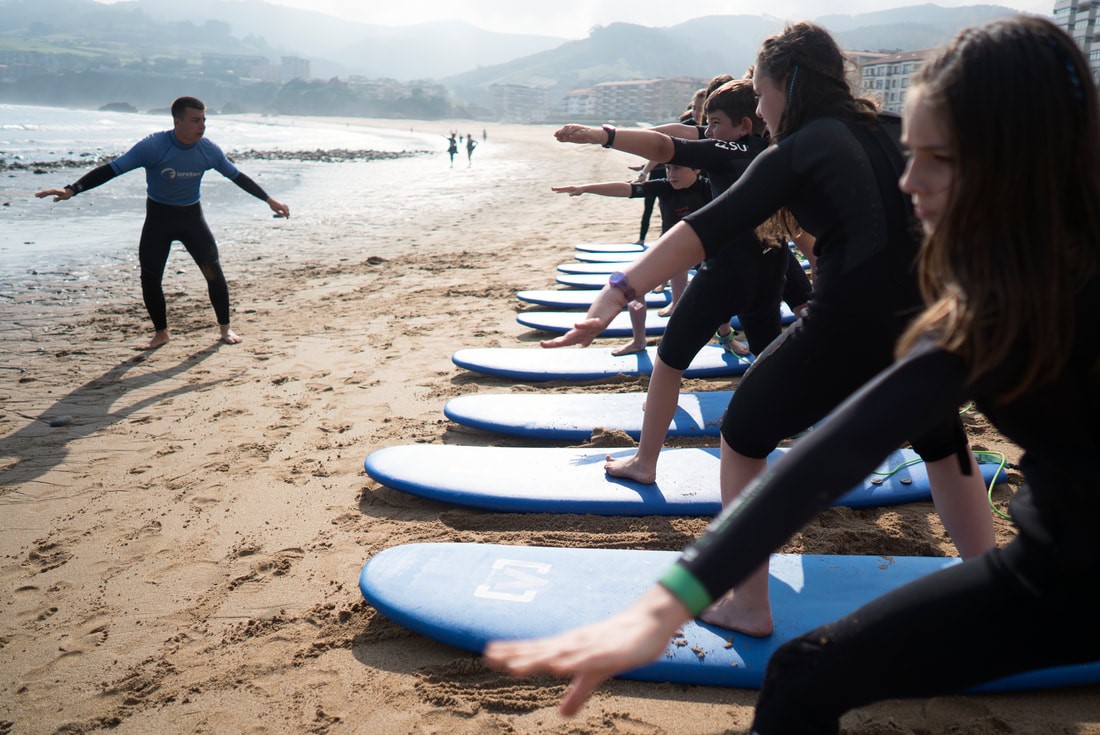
174,162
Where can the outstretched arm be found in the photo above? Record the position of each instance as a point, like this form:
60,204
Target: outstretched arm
676,251
679,130
862,431
95,177
648,144
607,189
247,184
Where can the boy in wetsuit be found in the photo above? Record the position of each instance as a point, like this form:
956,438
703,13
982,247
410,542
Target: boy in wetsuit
174,162
680,194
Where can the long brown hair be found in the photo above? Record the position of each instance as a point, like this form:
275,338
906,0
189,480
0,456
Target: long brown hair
1021,233
806,59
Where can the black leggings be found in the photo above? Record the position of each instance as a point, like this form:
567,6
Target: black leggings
743,280
809,371
1024,607
163,224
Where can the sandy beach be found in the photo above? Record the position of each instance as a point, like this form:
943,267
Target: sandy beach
182,530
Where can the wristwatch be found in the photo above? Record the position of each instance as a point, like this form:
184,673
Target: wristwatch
610,130
618,280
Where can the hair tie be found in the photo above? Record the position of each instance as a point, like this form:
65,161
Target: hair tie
1071,70
790,84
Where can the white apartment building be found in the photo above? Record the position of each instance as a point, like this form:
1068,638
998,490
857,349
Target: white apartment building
1078,19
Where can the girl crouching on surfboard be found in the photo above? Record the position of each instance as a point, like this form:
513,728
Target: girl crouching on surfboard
834,167
1010,270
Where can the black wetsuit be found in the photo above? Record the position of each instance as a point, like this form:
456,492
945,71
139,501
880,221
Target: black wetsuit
675,204
839,180
658,172
969,623
745,279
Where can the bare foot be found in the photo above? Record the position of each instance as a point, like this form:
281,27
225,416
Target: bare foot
630,348
631,468
159,339
731,345
745,616
229,336
667,311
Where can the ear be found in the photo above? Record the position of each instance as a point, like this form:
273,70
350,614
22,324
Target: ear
746,125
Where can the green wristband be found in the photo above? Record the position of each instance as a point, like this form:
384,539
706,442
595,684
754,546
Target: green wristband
686,588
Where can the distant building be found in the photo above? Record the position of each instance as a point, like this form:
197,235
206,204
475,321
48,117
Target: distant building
1078,19
649,100
292,67
580,104
237,65
17,64
887,77
520,103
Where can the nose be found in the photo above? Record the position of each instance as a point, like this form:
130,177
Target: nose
908,182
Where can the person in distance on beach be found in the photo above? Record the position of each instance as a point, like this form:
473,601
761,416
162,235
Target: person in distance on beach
174,162
826,144
680,193
1010,270
452,147
470,145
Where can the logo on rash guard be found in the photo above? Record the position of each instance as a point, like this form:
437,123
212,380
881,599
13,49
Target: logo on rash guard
732,145
171,173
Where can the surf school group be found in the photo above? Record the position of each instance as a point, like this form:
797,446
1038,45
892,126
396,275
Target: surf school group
942,283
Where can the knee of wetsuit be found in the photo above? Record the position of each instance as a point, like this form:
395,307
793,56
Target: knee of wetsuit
793,697
213,271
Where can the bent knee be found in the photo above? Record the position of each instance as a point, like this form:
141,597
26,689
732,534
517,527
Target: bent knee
212,271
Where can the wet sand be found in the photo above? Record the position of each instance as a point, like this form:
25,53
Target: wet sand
180,550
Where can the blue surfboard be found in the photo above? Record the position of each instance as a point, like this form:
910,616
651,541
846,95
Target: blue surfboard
588,257
467,595
590,363
610,247
589,281
582,298
562,321
572,479
605,269
574,416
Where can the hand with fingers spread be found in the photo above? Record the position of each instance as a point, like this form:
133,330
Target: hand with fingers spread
580,134
595,653
606,306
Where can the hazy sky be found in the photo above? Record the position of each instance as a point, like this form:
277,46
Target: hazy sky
573,18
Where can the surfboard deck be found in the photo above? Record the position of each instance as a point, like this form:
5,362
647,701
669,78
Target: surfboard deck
589,281
609,247
596,257
605,269
572,479
583,298
467,595
560,322
573,416
589,363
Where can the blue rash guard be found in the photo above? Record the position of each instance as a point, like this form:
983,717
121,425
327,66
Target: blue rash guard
173,171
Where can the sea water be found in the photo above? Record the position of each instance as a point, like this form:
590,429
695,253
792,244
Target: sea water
100,228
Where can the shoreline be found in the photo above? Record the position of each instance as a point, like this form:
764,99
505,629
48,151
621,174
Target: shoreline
182,554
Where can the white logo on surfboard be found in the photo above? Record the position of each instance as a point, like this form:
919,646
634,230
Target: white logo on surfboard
514,581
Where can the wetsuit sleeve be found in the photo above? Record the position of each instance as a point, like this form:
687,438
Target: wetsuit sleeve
906,399
698,154
766,185
242,180
96,177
